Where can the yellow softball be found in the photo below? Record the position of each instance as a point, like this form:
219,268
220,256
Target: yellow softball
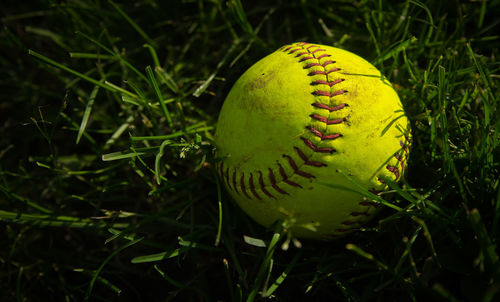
302,117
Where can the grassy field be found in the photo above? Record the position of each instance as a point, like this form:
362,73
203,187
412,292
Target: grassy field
108,190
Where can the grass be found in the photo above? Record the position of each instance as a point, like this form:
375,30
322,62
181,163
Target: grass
107,185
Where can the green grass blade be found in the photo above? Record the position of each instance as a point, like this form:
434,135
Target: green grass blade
158,158
73,72
164,108
132,23
114,54
166,79
154,55
86,114
283,275
98,271
265,266
158,256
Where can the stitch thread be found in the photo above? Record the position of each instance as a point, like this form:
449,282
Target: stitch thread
326,120
334,108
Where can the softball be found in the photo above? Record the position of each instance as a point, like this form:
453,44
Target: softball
303,117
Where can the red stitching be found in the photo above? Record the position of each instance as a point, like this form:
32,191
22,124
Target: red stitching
324,106
234,182
326,120
368,204
323,56
296,169
311,65
285,178
252,187
242,184
227,177
305,58
301,53
316,72
324,136
273,183
356,214
315,148
263,186
328,93
329,83
316,50
394,170
324,64
306,159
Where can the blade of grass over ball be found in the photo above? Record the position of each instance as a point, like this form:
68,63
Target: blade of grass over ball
391,123
394,185
98,271
154,83
362,191
86,113
132,23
